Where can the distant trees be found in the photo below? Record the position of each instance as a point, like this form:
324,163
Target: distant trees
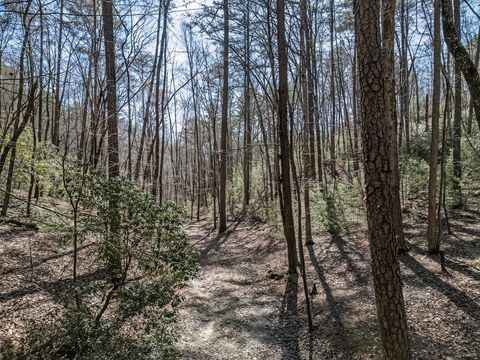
250,97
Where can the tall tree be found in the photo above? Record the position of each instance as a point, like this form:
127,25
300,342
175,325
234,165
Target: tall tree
286,204
247,143
332,91
383,246
457,124
432,230
388,29
462,58
58,88
114,259
222,226
308,151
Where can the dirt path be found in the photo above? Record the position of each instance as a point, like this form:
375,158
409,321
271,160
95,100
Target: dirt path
230,309
242,307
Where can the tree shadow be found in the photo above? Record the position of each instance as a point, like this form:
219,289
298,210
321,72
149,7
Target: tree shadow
462,268
38,262
9,233
336,308
220,239
289,321
54,288
361,277
458,297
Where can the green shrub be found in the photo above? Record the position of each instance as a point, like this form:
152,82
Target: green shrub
129,316
413,178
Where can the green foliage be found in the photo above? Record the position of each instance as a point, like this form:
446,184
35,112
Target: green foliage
147,234
414,177
75,336
130,318
470,163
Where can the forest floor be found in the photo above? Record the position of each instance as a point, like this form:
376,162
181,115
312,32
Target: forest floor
242,306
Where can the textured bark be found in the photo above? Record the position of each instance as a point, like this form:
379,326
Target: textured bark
112,119
404,78
383,246
247,144
432,233
470,110
308,160
426,113
332,91
286,199
114,259
462,58
388,29
224,130
457,125
159,110
58,99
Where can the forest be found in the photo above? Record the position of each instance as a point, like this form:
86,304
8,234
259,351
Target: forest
239,179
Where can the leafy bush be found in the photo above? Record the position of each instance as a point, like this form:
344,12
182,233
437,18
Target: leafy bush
414,178
129,316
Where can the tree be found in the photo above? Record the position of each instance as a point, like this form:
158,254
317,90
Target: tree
222,226
457,124
247,143
286,198
308,149
385,265
432,230
114,258
388,22
462,59
58,89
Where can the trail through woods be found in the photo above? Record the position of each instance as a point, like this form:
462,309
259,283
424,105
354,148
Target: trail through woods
242,307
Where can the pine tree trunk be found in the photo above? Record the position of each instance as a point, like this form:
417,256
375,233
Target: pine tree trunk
385,266
388,29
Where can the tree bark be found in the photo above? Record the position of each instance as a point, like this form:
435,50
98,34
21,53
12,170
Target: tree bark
388,29
432,238
457,125
462,58
222,226
385,266
113,245
286,204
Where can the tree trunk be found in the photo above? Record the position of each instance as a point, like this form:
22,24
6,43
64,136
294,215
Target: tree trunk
247,144
286,204
385,266
114,258
462,58
391,115
58,99
470,110
432,238
224,130
457,125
